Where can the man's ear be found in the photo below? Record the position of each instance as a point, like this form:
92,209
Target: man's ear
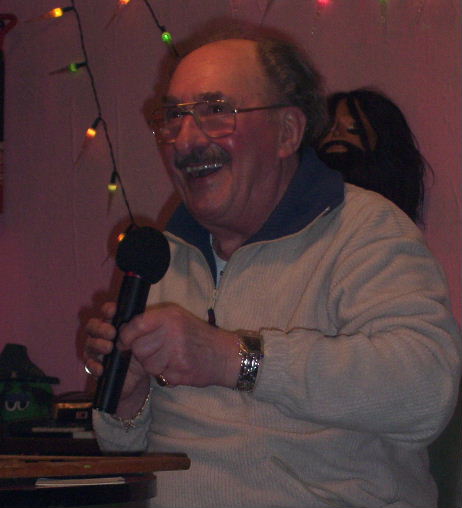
293,123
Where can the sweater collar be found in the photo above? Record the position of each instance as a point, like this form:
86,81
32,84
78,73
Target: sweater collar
314,189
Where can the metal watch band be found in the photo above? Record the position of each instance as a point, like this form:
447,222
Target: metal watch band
251,353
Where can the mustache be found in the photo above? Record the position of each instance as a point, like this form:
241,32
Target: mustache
339,142
213,154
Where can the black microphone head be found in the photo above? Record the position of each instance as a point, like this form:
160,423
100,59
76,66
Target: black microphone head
144,251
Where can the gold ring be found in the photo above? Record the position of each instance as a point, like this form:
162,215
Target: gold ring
161,381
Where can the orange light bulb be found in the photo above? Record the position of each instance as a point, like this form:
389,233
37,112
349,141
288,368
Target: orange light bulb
56,13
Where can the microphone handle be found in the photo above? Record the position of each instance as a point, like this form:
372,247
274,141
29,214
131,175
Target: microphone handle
132,301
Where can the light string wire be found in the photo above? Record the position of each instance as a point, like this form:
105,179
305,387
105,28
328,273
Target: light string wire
162,28
116,177
115,172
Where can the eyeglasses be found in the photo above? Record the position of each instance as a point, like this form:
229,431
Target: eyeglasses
216,118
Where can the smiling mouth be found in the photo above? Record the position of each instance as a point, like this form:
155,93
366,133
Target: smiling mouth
202,170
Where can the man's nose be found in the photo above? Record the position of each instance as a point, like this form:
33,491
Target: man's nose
190,134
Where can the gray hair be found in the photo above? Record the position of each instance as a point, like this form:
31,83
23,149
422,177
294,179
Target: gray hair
297,82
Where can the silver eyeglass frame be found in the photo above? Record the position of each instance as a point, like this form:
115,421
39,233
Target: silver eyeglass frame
188,108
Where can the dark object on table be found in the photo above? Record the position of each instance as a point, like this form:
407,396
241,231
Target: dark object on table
73,408
25,390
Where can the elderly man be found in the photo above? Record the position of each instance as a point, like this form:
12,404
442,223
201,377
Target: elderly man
302,333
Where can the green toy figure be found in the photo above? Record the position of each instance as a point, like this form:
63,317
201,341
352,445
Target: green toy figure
25,391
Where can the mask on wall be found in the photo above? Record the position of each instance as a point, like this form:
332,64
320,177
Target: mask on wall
349,162
355,165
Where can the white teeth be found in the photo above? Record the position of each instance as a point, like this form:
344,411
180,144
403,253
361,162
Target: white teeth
194,170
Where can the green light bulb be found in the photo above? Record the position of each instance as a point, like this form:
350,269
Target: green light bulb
167,37
75,66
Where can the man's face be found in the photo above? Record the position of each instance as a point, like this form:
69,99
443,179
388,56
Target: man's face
226,182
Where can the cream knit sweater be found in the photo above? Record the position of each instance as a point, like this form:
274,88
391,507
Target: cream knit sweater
362,359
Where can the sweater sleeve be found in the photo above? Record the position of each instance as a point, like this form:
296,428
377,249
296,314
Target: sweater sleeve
113,436
393,365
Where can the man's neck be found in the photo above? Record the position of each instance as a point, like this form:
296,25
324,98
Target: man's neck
226,245
227,238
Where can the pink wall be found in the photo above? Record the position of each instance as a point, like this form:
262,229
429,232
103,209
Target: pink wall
56,229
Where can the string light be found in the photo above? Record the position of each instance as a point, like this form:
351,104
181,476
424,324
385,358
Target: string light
90,134
75,66
112,185
57,12
320,5
167,37
72,67
91,131
122,235
120,5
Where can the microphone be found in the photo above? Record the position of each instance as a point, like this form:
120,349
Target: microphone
144,256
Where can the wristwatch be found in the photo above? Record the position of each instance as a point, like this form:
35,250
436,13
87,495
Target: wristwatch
251,353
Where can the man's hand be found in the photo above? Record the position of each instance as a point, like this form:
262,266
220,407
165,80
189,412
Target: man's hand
100,337
168,340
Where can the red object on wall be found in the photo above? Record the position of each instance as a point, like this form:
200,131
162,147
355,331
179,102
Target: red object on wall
7,22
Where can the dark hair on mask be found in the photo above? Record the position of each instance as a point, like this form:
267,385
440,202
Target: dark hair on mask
399,167
290,72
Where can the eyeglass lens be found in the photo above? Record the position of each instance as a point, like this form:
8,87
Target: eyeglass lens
215,119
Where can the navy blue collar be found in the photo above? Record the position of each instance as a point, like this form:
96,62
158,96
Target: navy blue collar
313,189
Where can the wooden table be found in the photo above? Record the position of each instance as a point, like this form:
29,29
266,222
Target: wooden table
19,474
23,493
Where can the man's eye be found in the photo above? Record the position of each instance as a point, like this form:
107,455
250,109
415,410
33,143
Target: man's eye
218,108
174,113
353,130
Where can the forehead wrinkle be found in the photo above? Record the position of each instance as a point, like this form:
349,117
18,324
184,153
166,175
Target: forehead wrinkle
204,96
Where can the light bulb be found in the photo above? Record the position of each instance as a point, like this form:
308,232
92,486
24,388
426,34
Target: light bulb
91,131
75,66
112,185
167,37
57,12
